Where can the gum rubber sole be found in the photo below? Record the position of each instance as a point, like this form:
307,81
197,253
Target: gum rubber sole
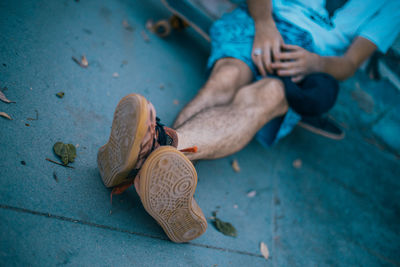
119,155
167,183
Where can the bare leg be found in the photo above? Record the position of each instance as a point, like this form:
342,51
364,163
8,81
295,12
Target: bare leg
227,76
222,130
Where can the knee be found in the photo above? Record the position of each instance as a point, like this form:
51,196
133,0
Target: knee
225,75
266,93
229,73
270,91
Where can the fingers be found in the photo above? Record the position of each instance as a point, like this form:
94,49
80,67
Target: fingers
297,78
257,59
290,72
289,55
276,50
286,65
291,47
266,56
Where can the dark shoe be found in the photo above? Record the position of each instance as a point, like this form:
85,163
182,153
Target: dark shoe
322,125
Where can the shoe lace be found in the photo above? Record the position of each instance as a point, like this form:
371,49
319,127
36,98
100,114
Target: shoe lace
161,136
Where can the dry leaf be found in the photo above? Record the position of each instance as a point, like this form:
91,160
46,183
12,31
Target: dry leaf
5,115
60,94
176,102
297,163
235,206
145,37
4,98
115,75
235,166
225,227
264,250
84,62
252,193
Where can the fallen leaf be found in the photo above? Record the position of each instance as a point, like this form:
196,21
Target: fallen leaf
60,94
115,75
83,62
235,165
235,206
5,115
145,37
176,102
297,163
127,26
162,86
225,227
27,124
67,152
252,193
4,98
264,250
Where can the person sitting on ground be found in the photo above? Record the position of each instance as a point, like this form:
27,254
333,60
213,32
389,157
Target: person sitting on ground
270,63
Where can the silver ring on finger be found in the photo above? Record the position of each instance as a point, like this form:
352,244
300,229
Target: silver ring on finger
257,51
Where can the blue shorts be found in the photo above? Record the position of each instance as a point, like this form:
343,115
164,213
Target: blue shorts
232,36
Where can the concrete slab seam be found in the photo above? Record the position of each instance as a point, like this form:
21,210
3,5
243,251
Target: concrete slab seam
107,227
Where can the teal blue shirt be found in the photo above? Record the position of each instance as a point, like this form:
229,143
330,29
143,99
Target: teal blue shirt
375,20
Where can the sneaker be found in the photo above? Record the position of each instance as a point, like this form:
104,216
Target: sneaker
168,181
134,134
141,149
324,126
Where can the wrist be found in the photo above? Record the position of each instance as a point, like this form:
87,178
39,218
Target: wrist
318,63
264,23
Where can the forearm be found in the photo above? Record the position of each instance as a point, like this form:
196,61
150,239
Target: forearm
345,66
340,68
261,12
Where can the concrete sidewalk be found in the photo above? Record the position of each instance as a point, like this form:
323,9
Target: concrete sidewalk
339,208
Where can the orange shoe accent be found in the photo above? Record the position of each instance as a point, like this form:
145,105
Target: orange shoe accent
120,189
192,149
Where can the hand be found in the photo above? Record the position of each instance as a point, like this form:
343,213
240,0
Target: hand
296,62
269,40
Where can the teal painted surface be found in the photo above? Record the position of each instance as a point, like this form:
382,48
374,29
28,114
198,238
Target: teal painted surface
340,208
